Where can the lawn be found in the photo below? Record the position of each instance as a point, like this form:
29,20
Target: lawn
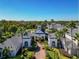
30,54
55,54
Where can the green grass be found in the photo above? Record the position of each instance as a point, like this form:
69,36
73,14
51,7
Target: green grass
30,54
52,55
55,54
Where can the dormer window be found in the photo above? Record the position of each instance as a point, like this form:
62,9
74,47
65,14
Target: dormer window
0,52
25,44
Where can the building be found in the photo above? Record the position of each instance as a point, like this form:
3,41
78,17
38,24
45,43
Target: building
50,26
39,33
14,44
52,41
26,40
68,41
55,26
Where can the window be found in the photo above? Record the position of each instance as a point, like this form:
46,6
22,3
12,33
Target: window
26,44
53,43
0,54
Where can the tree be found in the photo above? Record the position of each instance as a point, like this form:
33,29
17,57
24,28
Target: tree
77,37
5,53
24,53
59,35
52,20
71,25
64,30
0,33
13,28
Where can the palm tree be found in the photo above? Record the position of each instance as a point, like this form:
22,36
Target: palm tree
72,25
24,53
77,38
64,30
59,35
5,53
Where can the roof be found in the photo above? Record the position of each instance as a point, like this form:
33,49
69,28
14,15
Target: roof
52,35
13,43
39,31
73,32
69,43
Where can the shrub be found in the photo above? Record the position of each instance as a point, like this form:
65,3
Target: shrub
74,57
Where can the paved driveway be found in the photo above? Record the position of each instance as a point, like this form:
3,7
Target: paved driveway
41,53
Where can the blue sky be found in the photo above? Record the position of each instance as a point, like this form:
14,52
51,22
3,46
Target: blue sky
39,9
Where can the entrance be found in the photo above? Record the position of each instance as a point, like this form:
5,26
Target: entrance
26,44
53,43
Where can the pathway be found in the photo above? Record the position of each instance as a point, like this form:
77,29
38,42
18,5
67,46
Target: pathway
41,53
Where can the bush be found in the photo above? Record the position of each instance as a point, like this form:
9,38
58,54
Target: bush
31,55
31,49
74,57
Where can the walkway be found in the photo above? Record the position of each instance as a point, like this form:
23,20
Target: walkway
40,54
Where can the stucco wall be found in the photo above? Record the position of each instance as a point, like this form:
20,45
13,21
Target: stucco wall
69,45
50,42
29,42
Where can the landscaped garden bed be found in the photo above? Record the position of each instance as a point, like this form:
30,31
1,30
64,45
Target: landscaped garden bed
55,54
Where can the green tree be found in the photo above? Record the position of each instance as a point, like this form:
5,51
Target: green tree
52,20
77,38
24,53
59,36
71,25
13,28
64,30
5,53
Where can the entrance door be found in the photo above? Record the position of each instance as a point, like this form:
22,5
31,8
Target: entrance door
26,44
53,43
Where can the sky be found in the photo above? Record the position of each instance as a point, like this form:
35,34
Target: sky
31,10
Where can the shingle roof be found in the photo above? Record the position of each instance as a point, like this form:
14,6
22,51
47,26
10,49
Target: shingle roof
73,32
13,43
38,31
52,35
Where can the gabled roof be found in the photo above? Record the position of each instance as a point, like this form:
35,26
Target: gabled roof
39,31
74,31
51,36
13,43
27,35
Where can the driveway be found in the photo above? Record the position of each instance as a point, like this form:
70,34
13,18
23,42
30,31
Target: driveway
40,54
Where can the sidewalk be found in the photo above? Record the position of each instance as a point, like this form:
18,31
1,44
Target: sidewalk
41,53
